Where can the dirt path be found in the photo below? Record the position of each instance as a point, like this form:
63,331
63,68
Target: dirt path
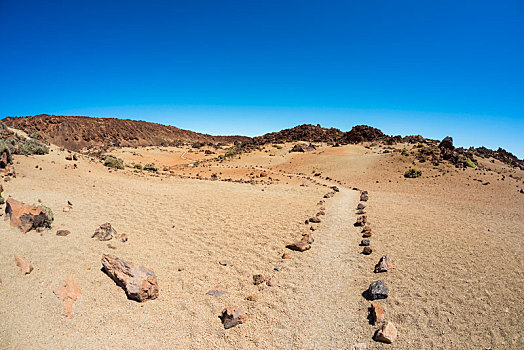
318,297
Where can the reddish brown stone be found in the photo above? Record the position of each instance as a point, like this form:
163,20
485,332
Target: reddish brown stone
384,264
68,292
63,232
26,217
287,256
299,246
308,238
367,250
25,267
139,283
377,313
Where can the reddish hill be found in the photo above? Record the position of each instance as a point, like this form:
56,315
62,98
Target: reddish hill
76,133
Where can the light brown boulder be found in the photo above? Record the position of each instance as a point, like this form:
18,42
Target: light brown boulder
387,334
299,246
25,267
139,283
232,316
26,217
104,232
68,292
63,232
377,313
384,264
287,256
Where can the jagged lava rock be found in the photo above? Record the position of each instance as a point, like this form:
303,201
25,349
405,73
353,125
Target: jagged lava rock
26,217
232,316
104,232
377,290
384,264
139,283
365,242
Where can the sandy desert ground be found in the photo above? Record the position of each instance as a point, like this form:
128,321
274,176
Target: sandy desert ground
456,243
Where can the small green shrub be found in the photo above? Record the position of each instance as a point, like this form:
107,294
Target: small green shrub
2,200
138,166
420,145
412,173
467,162
386,151
30,146
113,162
277,146
373,145
405,153
49,213
151,167
4,147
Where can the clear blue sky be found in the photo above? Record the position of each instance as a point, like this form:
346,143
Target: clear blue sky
431,67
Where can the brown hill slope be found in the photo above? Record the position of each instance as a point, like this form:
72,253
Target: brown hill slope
75,133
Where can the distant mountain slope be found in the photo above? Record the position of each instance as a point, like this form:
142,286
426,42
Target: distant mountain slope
75,133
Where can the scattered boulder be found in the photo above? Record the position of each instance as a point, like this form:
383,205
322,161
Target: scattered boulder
104,232
321,213
314,219
377,313
139,283
258,279
387,334
446,143
232,316
308,238
365,242
68,292
360,212
27,217
63,233
299,246
329,195
252,297
303,148
361,206
287,256
384,264
377,290
335,188
361,220
218,291
363,197
367,250
25,267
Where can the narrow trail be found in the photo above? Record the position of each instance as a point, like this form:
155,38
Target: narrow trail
324,312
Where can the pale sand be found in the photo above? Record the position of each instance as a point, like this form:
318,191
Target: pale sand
456,284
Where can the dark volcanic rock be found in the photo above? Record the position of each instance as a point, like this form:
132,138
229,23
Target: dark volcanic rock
377,290
232,316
